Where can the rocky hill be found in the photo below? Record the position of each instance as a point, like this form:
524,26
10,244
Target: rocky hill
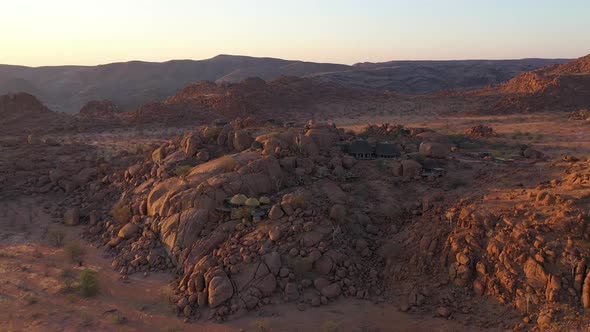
131,84
99,108
24,113
556,87
285,98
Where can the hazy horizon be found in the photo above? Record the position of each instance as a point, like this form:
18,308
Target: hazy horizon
287,59
67,32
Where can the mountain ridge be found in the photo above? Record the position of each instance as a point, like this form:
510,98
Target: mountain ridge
132,84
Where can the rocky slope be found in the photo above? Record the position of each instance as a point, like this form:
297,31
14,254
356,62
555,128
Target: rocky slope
557,87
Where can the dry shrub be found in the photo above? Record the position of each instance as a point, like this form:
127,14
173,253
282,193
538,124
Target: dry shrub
330,326
298,201
228,162
56,237
75,252
89,283
182,171
241,212
67,277
262,325
210,133
392,212
121,212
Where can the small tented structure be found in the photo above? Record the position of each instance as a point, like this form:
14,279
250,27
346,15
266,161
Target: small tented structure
386,150
361,149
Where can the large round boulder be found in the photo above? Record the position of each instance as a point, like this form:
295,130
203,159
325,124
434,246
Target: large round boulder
434,149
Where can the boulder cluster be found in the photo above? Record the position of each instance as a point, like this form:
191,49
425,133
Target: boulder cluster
249,215
531,255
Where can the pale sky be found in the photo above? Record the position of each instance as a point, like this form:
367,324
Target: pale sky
58,32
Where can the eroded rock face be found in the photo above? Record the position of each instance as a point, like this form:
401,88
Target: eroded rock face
158,201
190,144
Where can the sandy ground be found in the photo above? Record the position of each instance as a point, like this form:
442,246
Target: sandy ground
552,133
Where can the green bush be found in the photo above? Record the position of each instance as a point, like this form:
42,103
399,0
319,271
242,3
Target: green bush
89,286
458,139
419,157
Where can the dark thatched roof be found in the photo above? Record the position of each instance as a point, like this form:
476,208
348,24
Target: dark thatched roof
360,146
386,149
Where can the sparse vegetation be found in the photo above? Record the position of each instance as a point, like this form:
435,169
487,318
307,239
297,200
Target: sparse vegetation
362,189
517,134
419,157
31,299
241,212
182,171
89,286
458,139
211,133
56,237
117,319
457,183
121,212
382,165
392,212
262,325
497,154
298,201
228,162
74,252
330,326
67,277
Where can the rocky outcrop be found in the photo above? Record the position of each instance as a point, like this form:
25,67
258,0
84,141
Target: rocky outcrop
99,109
434,150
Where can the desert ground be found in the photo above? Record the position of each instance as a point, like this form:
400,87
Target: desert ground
293,205
33,297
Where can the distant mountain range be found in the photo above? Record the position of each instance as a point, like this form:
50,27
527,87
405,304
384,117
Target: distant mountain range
132,84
